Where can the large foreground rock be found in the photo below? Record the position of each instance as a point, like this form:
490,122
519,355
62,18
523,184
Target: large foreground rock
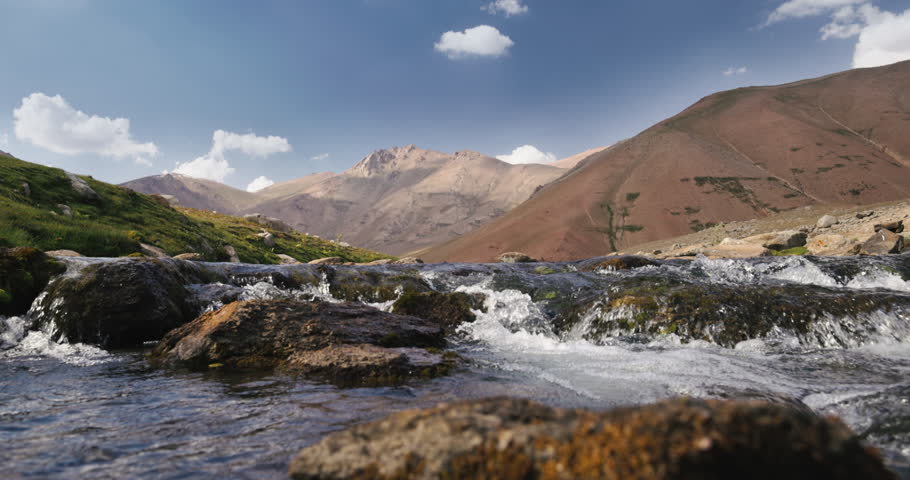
520,439
119,304
342,343
24,272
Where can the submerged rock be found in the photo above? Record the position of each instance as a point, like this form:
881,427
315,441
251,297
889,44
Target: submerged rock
518,439
342,343
24,272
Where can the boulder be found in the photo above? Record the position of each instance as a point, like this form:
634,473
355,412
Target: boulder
119,304
64,253
831,244
162,200
287,259
407,261
779,240
882,242
152,251
269,222
65,210
894,227
826,221
447,309
24,272
732,248
26,189
866,214
339,342
232,254
507,438
327,261
82,188
193,257
267,239
514,257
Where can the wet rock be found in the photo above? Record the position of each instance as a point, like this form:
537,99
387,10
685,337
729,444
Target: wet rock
623,262
407,261
732,248
284,259
152,251
831,244
506,438
882,242
63,253
65,210
894,227
192,257
119,304
826,221
779,240
24,272
514,257
327,261
337,342
368,285
447,309
82,188
232,254
267,239
269,222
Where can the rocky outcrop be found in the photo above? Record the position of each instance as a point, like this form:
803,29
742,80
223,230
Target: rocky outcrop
519,439
269,222
24,272
831,244
342,343
882,242
119,304
514,257
82,188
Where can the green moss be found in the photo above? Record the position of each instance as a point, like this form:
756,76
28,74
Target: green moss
791,251
544,270
5,298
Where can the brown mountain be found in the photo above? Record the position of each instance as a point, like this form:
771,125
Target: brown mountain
395,200
735,155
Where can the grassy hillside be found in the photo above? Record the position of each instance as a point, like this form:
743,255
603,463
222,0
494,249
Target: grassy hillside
121,219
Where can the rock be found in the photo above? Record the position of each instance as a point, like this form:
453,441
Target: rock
779,240
866,214
623,262
894,227
882,242
162,199
327,261
193,257
505,438
287,259
119,304
447,309
152,251
24,272
65,210
831,244
267,239
26,189
826,221
232,254
407,261
368,285
381,261
732,248
340,342
64,253
514,257
82,188
269,222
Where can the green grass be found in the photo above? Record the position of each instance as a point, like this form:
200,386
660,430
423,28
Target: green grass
123,218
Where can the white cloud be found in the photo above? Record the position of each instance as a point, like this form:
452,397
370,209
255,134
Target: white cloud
214,165
736,71
321,156
259,183
883,37
480,41
507,7
51,123
527,154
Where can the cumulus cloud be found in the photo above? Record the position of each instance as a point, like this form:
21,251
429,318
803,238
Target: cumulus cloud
215,166
321,156
883,37
53,124
506,7
735,71
527,154
480,41
259,183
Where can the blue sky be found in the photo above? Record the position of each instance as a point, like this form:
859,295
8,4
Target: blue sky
297,87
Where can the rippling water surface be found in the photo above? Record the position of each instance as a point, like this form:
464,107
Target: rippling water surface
74,411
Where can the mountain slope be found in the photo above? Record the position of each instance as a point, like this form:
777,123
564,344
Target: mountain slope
745,153
571,162
195,192
112,221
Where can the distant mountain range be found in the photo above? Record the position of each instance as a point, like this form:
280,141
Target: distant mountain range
735,155
394,200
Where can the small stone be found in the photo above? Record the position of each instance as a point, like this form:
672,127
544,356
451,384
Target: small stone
287,259
267,239
64,253
65,210
82,188
232,254
826,221
193,257
514,257
26,190
862,215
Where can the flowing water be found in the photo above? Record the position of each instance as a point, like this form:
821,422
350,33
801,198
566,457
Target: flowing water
75,411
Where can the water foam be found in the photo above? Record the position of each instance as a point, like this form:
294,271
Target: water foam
20,342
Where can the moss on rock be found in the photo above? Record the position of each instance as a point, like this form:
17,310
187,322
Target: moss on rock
24,272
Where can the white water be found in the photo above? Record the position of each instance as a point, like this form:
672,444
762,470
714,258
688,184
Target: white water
17,341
